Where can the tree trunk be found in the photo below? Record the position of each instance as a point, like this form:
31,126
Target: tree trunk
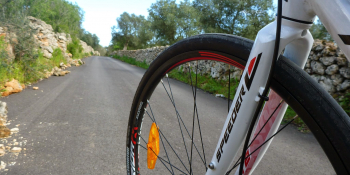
125,46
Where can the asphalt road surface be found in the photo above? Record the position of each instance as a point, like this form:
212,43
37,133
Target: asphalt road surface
77,124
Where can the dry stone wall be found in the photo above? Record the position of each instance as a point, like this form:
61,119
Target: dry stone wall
326,64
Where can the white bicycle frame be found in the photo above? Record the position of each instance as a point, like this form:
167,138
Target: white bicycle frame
297,18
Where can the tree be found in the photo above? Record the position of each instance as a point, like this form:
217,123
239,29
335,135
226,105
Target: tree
172,22
239,17
169,22
117,40
132,31
63,16
163,20
188,20
90,39
318,31
144,35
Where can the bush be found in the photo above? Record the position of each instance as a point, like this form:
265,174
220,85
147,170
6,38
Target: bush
58,57
75,48
25,65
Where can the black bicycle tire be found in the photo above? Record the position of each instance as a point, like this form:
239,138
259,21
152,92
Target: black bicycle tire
321,113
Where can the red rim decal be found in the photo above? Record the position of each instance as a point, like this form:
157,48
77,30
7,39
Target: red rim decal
134,135
209,56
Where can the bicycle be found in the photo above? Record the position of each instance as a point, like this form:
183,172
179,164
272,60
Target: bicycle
289,84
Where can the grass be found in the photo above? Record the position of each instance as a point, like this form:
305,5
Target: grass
211,85
206,83
132,61
345,103
289,115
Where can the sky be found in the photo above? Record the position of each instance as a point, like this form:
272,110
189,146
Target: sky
101,15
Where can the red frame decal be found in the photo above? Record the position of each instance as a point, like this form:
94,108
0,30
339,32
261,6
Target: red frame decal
248,78
251,65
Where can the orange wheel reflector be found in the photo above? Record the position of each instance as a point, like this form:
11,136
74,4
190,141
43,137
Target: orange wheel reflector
152,147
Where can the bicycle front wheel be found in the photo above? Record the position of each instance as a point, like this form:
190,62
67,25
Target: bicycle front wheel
184,155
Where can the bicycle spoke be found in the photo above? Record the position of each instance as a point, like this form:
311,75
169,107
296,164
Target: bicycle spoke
261,129
161,157
195,111
160,136
178,120
237,163
251,142
177,113
168,143
157,156
164,160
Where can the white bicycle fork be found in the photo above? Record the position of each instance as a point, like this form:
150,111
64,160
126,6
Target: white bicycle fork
297,41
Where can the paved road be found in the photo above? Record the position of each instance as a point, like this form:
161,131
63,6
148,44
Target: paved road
76,124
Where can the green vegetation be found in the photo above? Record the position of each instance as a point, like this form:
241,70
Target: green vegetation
345,103
62,15
132,61
289,115
133,32
28,65
28,70
75,48
93,41
58,57
318,31
23,65
242,18
170,21
205,82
